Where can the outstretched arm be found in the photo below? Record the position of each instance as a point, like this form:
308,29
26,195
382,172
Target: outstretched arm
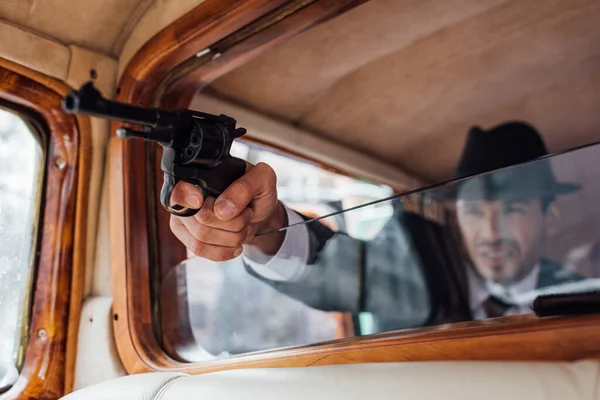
309,263
247,208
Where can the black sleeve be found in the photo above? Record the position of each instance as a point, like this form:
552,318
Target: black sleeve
333,280
385,276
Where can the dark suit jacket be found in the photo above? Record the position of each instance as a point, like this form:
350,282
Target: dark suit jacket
410,275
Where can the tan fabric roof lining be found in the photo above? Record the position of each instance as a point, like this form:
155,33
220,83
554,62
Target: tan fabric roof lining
414,74
417,74
99,25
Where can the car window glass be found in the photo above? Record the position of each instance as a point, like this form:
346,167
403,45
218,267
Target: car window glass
229,325
21,163
480,247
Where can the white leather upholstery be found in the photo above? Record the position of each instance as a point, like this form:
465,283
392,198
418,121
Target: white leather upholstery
133,387
414,380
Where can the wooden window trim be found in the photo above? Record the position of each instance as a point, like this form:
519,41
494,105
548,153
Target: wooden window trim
58,286
155,77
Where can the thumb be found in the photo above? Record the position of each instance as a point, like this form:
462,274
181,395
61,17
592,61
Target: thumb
258,185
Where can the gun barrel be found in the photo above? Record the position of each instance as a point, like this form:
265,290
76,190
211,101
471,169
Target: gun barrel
88,101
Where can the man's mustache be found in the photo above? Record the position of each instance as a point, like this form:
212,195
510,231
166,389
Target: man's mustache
503,242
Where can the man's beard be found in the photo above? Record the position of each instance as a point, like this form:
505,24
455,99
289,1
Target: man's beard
496,255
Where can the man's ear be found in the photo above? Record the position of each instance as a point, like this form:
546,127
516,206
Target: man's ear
552,220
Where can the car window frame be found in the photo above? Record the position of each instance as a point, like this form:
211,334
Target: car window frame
48,363
165,73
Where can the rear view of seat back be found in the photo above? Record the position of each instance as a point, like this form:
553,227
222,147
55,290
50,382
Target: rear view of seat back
448,380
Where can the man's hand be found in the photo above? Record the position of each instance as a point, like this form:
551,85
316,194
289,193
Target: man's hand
247,208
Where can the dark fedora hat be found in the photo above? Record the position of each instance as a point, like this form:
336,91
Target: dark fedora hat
516,152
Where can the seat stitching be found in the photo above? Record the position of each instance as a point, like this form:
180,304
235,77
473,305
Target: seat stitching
161,391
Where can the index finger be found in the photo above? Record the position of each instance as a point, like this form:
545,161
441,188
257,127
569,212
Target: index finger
187,195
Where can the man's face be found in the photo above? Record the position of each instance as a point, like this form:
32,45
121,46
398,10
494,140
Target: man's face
504,240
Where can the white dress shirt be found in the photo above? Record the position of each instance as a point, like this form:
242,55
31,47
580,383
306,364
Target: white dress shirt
480,290
290,263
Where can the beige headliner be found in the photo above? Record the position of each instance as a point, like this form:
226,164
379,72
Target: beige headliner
404,79
401,80
99,25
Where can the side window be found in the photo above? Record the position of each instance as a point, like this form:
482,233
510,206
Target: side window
21,166
231,312
314,191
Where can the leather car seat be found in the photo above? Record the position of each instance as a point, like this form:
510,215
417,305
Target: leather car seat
411,380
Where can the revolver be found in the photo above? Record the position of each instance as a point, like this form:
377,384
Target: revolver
196,145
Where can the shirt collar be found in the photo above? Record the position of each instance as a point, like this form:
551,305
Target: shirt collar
481,289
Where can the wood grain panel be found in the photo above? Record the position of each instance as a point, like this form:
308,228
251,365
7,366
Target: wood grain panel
61,247
517,338
84,166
